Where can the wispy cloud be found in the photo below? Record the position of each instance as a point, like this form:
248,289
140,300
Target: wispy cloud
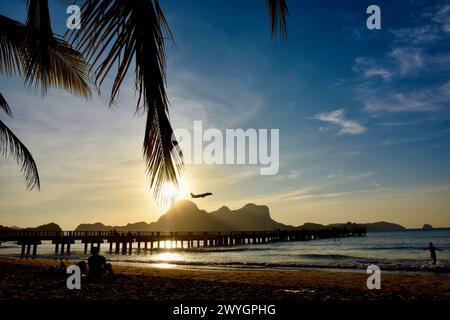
428,99
434,26
337,118
379,72
369,68
441,16
195,98
417,35
409,60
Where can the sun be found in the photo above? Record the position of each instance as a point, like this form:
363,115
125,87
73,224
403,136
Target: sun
170,192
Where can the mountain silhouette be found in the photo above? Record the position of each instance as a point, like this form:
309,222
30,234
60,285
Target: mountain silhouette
186,216
45,227
371,227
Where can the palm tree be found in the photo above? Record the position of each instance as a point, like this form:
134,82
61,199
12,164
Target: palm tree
123,31
113,32
32,50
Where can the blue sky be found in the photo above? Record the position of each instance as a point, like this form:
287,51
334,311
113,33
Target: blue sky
364,118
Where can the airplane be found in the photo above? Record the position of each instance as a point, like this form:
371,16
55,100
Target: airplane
201,195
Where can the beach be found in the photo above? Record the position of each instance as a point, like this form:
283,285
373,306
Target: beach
28,280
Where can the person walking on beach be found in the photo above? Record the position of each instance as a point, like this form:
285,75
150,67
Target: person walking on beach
432,249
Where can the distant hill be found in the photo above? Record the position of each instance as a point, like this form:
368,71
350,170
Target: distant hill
45,227
427,226
5,228
312,226
371,227
186,216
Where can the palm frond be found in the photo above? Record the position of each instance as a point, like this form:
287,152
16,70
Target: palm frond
67,70
11,52
39,36
163,161
278,13
11,145
120,32
51,62
4,106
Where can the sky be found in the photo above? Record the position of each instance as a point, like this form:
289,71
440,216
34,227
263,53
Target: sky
363,118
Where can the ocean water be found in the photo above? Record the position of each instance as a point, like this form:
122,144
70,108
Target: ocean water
401,250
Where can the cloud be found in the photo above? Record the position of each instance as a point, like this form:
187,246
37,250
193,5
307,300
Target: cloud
380,72
369,69
430,99
337,117
416,50
409,60
194,97
414,69
420,35
442,17
434,26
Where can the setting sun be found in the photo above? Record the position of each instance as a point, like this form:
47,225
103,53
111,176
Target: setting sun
171,193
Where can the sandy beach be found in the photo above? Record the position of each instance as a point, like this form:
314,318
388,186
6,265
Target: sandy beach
23,279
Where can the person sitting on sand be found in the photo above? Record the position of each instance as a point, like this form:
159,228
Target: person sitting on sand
432,249
97,265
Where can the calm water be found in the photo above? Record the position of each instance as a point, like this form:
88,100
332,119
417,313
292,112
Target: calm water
402,250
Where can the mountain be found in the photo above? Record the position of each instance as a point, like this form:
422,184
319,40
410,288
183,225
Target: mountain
45,227
427,226
312,226
5,228
371,227
186,216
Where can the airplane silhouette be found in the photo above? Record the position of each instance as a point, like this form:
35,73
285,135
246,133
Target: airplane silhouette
201,195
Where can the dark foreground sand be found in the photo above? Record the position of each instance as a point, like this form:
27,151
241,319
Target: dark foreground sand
28,280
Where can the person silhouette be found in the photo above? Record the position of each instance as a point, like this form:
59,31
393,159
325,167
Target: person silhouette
97,265
432,250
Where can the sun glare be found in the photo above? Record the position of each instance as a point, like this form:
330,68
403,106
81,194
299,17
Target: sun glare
171,193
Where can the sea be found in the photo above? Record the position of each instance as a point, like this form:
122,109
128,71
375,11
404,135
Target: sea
391,251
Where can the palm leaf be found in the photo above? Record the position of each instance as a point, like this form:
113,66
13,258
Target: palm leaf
120,32
278,13
11,145
4,106
50,62
11,52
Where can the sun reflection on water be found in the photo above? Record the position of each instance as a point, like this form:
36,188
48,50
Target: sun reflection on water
167,257
163,265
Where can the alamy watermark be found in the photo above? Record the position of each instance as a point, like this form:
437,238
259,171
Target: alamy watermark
232,147
74,280
74,19
374,280
374,20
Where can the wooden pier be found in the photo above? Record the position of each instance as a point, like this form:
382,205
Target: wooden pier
122,242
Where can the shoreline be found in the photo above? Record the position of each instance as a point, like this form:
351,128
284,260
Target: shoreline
26,279
422,269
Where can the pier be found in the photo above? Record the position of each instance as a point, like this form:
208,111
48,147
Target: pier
122,242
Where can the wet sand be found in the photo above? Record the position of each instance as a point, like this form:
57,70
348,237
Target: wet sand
22,279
